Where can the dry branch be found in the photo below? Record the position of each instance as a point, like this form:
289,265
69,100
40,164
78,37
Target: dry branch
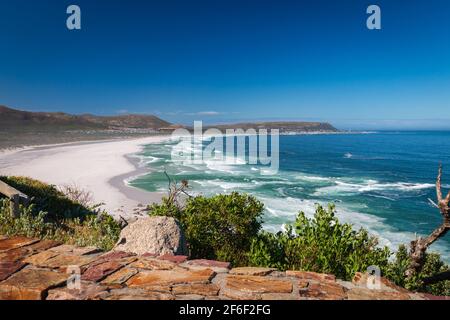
419,246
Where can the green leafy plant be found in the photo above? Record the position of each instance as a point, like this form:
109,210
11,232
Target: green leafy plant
69,221
220,227
320,244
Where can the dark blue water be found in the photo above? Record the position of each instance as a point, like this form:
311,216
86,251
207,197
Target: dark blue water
380,181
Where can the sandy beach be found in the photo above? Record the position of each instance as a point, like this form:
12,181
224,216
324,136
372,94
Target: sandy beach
100,167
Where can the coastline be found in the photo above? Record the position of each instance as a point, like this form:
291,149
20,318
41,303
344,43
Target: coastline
100,167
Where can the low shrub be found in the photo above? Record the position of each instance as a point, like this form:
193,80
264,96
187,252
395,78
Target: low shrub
220,227
51,215
48,198
321,244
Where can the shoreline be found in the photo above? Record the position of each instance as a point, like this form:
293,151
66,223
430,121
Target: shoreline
100,167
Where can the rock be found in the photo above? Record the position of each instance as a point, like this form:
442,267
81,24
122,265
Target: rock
251,287
307,275
79,251
145,279
322,291
15,242
30,284
8,268
201,264
41,258
196,289
136,294
368,294
173,258
120,277
157,235
252,271
153,264
88,291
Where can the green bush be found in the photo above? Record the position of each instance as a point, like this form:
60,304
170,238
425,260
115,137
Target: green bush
47,198
51,215
433,265
220,227
321,244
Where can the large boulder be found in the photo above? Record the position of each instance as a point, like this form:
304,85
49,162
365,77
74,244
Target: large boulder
155,235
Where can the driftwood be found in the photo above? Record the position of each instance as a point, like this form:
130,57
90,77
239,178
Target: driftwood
419,246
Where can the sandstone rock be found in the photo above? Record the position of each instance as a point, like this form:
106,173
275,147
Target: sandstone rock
41,258
70,249
21,253
252,271
30,284
153,264
191,297
8,268
311,275
136,294
63,261
257,284
201,264
197,289
88,291
368,294
173,258
157,235
170,277
361,279
120,277
323,291
15,242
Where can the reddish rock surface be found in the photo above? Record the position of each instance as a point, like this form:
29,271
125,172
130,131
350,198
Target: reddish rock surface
32,269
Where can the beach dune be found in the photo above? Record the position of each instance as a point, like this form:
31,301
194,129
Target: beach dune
99,167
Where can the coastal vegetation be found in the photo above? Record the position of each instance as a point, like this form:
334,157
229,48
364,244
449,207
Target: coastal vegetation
229,227
225,227
54,215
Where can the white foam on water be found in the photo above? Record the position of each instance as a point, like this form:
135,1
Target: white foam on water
346,188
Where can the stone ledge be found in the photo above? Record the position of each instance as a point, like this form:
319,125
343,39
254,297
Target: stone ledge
32,270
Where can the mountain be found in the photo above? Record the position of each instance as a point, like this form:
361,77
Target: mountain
284,127
11,119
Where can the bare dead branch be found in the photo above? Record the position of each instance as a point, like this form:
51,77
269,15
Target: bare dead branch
419,246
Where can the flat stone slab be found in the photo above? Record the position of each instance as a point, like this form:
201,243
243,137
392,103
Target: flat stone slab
198,264
62,261
172,258
311,275
15,242
153,264
322,291
118,278
41,258
196,289
88,291
258,284
100,269
21,253
30,284
135,294
170,277
252,271
8,268
70,249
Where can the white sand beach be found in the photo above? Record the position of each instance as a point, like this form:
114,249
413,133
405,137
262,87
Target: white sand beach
100,167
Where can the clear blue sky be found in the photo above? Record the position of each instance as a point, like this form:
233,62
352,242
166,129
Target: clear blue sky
229,60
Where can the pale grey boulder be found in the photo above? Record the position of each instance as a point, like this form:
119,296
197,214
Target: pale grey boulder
154,235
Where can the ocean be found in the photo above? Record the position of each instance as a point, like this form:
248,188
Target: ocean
380,181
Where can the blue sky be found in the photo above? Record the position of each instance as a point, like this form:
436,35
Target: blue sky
222,61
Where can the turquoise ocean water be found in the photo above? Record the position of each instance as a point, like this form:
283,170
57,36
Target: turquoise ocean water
380,181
